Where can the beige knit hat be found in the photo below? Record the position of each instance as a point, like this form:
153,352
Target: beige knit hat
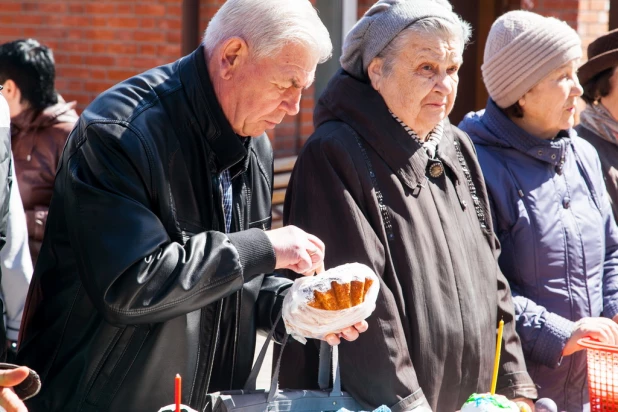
521,50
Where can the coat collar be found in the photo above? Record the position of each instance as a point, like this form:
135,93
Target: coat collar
510,135
357,104
227,147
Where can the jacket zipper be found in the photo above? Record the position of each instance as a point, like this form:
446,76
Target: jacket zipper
238,226
216,330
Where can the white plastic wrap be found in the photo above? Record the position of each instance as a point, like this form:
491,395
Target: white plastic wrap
304,321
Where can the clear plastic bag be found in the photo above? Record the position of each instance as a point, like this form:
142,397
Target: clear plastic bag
304,320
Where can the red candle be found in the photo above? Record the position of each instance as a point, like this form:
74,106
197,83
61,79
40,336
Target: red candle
177,390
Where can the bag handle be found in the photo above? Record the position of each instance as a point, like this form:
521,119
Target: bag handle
251,383
327,353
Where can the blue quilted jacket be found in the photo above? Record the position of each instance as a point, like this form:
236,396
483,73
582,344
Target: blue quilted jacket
559,242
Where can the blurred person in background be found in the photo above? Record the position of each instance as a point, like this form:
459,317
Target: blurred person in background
551,212
40,124
599,120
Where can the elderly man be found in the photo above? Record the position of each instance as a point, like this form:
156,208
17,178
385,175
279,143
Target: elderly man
401,191
155,247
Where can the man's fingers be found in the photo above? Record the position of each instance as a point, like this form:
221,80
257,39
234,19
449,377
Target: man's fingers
11,402
12,377
316,241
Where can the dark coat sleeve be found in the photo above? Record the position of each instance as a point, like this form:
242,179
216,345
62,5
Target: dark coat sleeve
129,266
513,378
326,198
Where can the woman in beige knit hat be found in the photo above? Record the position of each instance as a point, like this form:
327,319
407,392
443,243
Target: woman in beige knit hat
550,208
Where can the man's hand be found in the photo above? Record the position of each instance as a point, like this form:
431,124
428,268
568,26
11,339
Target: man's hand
602,329
350,334
297,250
9,378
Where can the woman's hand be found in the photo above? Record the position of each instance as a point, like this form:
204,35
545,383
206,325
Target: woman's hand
349,334
601,329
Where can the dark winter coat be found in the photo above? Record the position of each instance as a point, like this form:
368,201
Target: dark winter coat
431,340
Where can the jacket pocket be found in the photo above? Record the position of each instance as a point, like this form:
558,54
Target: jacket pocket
114,367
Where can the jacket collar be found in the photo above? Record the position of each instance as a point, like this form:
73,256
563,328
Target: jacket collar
357,104
227,147
511,135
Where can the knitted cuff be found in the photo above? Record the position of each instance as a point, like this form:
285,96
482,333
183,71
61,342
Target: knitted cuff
256,253
552,340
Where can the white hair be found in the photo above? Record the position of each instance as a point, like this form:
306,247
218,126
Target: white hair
431,25
268,25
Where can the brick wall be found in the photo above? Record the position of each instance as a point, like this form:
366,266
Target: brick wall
593,20
589,17
96,44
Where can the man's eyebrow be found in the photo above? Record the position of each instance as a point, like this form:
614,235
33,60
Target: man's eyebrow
296,83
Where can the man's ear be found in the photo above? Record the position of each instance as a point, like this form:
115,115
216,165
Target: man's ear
231,55
374,71
11,91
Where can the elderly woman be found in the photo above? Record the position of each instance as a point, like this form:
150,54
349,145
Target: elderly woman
599,121
386,180
550,210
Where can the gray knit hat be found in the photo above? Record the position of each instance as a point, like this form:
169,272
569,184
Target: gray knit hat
381,24
521,50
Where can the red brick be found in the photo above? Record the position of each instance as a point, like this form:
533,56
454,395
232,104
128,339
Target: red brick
72,72
99,34
76,59
49,7
148,49
98,8
99,60
169,24
124,9
33,19
122,48
76,47
99,48
145,63
149,36
29,6
174,10
76,21
119,75
169,50
173,37
77,8
124,35
124,22
11,7
96,87
98,74
151,10
147,23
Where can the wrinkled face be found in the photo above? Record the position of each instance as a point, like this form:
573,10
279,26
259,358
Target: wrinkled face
256,94
422,85
550,105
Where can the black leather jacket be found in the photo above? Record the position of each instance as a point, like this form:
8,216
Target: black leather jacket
136,281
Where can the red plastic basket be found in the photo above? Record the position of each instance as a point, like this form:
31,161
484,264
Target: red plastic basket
602,375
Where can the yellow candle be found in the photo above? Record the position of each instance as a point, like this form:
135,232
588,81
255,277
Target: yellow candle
494,379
